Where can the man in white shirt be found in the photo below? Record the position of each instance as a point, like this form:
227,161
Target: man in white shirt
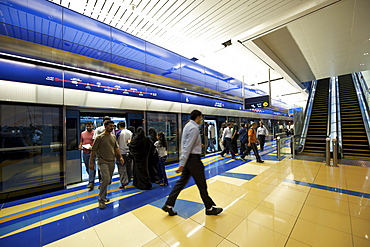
124,138
191,165
228,136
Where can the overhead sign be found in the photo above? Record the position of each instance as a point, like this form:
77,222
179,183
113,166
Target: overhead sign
257,102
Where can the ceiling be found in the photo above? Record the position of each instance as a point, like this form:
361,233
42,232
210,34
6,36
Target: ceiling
287,41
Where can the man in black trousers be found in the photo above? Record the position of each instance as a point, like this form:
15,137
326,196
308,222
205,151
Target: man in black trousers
191,165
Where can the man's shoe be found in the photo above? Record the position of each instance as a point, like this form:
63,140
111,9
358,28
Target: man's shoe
222,155
102,205
106,200
243,158
214,211
169,210
122,187
234,158
260,161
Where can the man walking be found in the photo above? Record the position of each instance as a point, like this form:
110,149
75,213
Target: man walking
124,138
86,142
252,143
191,165
228,137
106,148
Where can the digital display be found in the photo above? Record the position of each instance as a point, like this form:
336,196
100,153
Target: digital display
257,102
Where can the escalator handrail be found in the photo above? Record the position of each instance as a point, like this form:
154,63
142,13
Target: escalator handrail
338,120
362,104
308,114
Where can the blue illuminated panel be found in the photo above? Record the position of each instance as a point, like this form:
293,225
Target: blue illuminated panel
48,24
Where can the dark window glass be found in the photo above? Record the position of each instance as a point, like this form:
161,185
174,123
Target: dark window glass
167,123
30,146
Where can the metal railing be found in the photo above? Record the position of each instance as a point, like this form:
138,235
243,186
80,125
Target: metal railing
334,141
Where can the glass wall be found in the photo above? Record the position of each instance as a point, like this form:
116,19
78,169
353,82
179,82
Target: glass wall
167,123
30,148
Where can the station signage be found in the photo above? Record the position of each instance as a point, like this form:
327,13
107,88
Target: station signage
257,102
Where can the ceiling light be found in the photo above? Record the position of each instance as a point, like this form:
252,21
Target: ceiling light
366,53
227,43
362,64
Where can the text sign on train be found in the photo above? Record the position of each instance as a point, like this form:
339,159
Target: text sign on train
257,102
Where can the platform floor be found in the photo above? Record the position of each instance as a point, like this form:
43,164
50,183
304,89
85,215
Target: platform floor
292,203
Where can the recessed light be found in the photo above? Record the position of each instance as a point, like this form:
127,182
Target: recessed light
362,64
366,53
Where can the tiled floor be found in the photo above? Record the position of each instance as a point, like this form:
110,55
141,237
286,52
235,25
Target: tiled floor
288,203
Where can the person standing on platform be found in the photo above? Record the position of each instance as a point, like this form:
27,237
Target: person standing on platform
252,140
153,156
212,137
191,165
86,142
101,129
221,136
234,141
105,146
139,148
262,132
228,136
161,146
124,138
242,132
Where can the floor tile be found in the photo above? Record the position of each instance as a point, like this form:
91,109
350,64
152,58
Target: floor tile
290,194
251,234
329,194
226,243
328,218
272,219
237,205
295,243
157,242
330,204
86,237
360,227
361,242
126,229
319,236
360,211
283,205
221,224
189,232
156,219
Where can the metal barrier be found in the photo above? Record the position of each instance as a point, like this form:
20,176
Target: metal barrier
278,144
335,152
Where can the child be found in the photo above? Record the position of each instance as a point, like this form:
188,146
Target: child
161,146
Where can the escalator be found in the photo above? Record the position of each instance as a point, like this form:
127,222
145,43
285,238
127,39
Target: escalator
317,128
354,138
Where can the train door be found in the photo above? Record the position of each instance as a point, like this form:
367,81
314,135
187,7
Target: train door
73,155
212,135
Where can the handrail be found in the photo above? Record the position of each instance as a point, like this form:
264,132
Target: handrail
362,104
338,124
308,114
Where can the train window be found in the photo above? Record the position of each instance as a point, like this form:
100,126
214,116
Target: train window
167,123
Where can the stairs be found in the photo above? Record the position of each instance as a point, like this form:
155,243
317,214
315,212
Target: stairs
317,128
354,138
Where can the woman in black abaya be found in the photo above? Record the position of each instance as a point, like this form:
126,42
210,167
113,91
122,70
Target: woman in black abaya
139,148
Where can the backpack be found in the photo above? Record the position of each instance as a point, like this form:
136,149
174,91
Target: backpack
244,137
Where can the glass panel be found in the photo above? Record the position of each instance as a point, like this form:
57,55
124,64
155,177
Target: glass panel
30,146
167,123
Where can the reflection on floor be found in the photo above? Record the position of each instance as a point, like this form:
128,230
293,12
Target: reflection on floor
277,203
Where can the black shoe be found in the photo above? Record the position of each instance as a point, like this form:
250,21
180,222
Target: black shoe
121,187
234,158
222,155
106,200
243,158
260,161
214,211
169,210
102,205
